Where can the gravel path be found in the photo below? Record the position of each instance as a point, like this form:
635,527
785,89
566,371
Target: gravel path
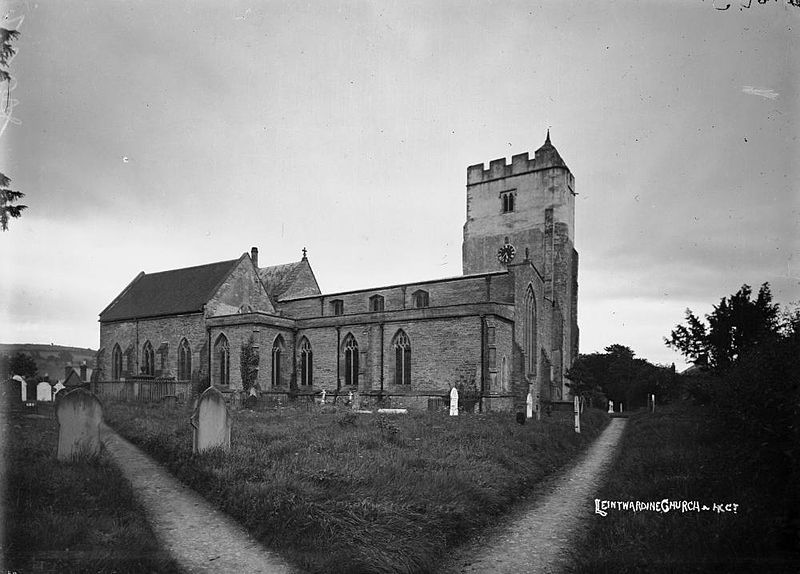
200,538
540,538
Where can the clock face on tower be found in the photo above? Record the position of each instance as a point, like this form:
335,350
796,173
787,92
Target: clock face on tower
506,254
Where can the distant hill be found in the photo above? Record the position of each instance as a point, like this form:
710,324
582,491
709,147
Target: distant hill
51,359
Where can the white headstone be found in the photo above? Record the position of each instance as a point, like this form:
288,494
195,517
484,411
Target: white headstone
620,407
323,396
211,422
610,407
454,402
79,415
577,407
529,406
653,403
44,392
350,397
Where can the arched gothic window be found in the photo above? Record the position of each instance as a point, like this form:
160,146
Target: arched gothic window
223,360
116,363
184,361
402,359
277,361
306,363
529,322
148,359
350,360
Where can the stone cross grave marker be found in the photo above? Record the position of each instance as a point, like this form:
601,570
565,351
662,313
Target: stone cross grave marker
529,405
577,402
79,414
610,407
44,392
211,422
323,396
453,402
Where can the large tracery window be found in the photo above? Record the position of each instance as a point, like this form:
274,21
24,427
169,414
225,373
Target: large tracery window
148,359
116,363
306,363
184,361
350,360
402,359
223,356
529,323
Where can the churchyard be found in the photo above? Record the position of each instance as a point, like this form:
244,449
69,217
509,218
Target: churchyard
69,515
685,452
333,490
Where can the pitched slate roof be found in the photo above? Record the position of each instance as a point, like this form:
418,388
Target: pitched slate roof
168,292
278,278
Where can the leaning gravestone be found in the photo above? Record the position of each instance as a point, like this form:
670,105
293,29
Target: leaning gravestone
79,414
454,402
211,422
44,392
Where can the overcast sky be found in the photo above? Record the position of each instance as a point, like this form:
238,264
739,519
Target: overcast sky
151,136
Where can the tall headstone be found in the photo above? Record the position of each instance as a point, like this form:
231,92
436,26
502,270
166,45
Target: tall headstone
610,407
211,422
577,406
44,392
79,414
620,407
323,396
453,402
653,403
529,405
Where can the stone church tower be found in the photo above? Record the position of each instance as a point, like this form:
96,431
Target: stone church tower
529,204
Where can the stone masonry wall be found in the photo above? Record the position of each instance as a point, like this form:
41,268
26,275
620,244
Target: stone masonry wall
170,330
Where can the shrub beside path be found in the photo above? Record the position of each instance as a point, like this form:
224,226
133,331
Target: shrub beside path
541,538
199,537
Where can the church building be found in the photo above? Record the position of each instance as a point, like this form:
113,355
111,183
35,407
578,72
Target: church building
507,325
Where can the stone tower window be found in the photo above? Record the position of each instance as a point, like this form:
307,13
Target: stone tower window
376,303
402,355
507,199
421,299
306,363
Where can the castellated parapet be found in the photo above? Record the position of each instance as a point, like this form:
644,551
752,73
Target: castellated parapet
545,158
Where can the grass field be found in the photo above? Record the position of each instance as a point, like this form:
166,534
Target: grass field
680,453
70,517
340,492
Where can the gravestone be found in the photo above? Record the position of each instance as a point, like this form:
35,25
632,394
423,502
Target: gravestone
653,403
454,402
577,406
610,407
79,414
44,392
620,407
323,396
211,422
529,405
12,392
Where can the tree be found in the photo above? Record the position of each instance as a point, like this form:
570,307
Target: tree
737,324
248,364
24,365
8,196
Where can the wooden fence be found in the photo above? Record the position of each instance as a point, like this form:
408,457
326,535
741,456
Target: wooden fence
142,390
